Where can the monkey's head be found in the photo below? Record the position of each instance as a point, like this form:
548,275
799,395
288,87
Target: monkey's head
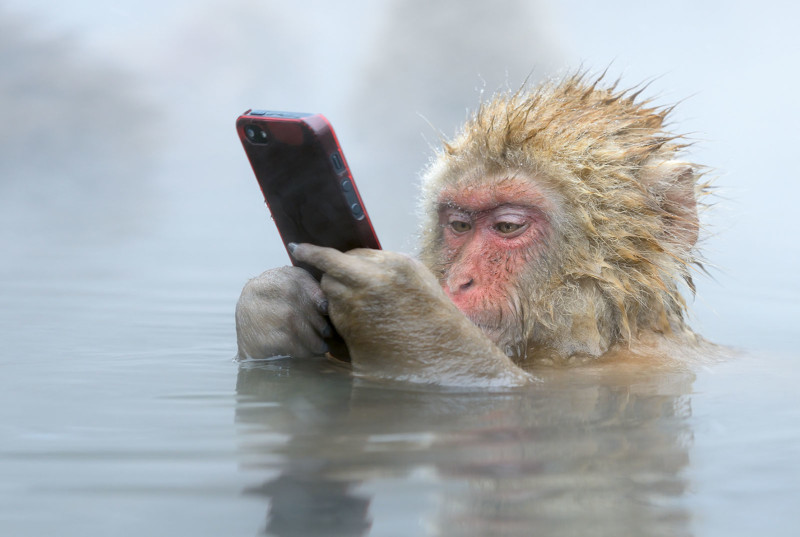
561,220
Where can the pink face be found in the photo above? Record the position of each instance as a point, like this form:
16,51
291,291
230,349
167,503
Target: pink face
490,234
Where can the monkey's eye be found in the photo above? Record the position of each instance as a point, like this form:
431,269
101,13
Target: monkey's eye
459,226
507,228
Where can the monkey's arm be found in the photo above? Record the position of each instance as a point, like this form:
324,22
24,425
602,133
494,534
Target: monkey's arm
281,313
399,324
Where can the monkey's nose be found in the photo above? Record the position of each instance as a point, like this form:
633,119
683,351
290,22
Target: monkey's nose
455,288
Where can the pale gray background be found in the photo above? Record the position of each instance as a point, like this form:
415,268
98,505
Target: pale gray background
172,76
129,220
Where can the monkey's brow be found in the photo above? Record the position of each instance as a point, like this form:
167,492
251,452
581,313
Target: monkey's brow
476,212
452,205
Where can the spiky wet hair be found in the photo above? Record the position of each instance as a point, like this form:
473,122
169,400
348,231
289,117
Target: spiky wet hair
628,217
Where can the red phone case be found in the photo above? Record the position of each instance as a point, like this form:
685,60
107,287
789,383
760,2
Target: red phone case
307,185
305,180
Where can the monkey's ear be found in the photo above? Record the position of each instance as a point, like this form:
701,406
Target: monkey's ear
674,183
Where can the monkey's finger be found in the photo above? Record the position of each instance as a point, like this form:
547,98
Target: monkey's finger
368,253
307,340
313,294
341,300
301,341
313,306
312,346
320,324
334,288
340,266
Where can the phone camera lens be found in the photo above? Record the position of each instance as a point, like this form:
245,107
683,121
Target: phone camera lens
255,134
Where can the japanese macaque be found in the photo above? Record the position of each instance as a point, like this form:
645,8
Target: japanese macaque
558,225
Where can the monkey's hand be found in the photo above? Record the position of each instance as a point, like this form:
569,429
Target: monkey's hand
282,313
399,324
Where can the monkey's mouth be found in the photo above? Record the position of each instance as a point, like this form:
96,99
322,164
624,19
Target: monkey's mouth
490,323
500,326
498,323
506,338
495,333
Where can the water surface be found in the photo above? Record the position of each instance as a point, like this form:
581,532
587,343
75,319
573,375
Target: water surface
129,220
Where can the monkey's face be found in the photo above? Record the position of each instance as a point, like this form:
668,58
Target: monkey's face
561,218
492,234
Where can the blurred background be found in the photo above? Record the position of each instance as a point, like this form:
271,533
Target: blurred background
118,154
130,217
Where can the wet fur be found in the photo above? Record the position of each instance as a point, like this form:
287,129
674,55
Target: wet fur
625,230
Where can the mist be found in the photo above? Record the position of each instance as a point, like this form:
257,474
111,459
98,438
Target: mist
130,220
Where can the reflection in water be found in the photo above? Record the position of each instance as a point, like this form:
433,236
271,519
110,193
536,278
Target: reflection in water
597,450
307,506
115,415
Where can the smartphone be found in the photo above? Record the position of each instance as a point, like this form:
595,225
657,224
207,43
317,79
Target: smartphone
307,186
306,181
